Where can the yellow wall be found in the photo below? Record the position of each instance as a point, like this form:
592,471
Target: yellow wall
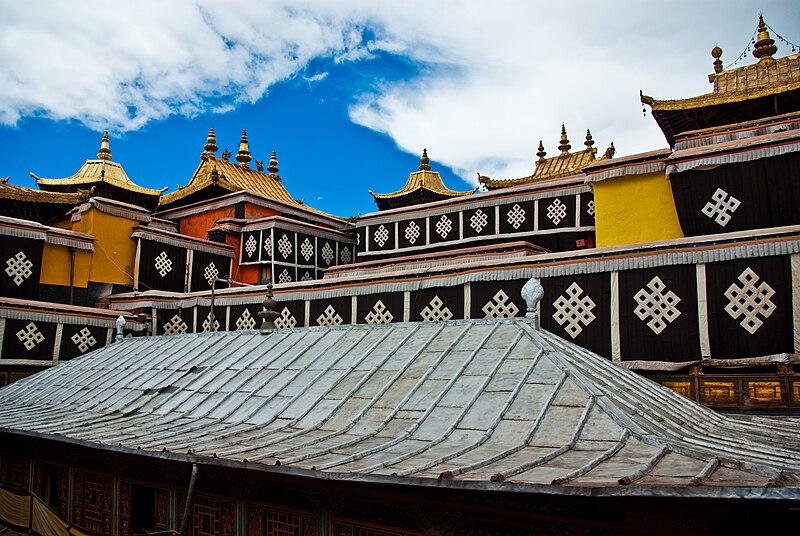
636,208
55,266
114,249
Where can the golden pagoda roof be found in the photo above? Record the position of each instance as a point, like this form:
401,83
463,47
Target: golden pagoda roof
424,179
25,194
93,172
768,77
233,177
563,165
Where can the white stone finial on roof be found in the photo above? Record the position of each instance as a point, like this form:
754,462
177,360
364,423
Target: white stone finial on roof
120,323
532,292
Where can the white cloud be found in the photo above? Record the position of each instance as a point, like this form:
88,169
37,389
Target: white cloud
496,77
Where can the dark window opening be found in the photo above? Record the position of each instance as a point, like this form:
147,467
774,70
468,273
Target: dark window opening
143,509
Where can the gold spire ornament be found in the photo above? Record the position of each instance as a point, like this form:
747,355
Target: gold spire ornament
243,156
765,45
564,146
716,53
589,142
105,151
273,168
211,143
541,153
424,161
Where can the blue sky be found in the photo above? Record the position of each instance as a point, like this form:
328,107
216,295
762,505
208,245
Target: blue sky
349,93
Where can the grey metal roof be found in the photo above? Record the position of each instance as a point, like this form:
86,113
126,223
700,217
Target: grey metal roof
472,400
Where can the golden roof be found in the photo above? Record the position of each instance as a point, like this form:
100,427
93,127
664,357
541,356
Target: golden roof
102,170
770,76
562,165
231,176
22,193
424,179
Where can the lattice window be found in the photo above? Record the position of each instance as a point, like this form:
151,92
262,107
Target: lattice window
93,504
206,517
282,524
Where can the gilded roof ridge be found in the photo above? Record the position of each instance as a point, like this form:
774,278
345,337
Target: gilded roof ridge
423,179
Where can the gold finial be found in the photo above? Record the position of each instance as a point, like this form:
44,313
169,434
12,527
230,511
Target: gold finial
105,152
211,143
716,53
424,162
611,151
765,45
589,142
243,156
541,154
273,164
564,146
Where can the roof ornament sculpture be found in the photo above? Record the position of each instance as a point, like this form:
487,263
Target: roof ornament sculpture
716,53
424,161
243,156
765,46
270,312
105,151
541,153
589,142
532,293
226,154
260,165
273,164
564,145
211,143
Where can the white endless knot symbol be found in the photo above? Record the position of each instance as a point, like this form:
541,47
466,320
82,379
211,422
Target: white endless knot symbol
750,300
30,336
516,216
210,273
84,339
479,220
557,211
285,277
163,264
307,277
268,245
208,326
657,305
500,306
379,314
286,320
719,207
330,317
245,321
444,226
327,253
250,246
285,246
175,325
381,236
590,208
345,255
18,268
306,249
412,232
573,310
435,311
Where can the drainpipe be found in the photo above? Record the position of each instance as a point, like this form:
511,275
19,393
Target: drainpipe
187,511
71,275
